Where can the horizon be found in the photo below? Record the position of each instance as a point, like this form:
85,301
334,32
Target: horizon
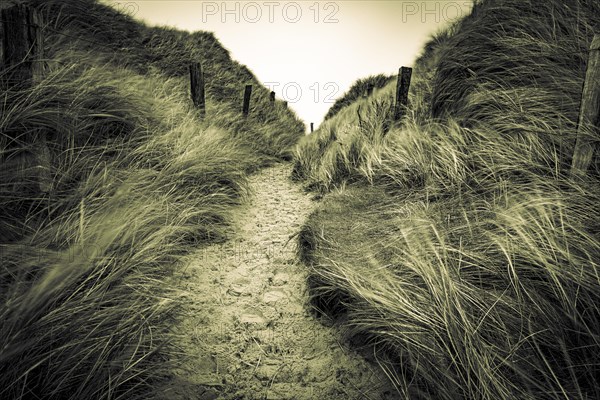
308,52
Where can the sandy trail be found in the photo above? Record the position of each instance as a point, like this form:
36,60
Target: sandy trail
247,328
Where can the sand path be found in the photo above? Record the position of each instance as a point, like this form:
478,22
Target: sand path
247,327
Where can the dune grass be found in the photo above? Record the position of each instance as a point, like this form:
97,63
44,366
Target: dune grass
137,182
455,243
358,90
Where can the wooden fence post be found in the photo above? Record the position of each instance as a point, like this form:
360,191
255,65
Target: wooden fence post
402,88
312,127
197,87
285,104
247,94
589,121
370,89
22,66
272,97
22,45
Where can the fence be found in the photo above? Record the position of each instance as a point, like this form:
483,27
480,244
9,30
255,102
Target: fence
21,64
197,91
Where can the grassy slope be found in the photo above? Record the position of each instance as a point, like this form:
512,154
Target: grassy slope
138,181
357,90
456,244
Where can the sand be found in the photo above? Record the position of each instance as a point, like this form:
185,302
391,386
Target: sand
247,330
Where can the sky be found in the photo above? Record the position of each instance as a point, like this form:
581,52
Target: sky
309,52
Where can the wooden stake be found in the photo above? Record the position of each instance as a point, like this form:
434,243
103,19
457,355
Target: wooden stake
589,122
22,45
312,126
22,63
272,97
402,87
197,87
247,94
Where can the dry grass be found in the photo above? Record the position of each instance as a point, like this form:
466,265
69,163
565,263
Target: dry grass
137,182
456,244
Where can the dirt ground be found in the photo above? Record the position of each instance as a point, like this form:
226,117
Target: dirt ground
248,332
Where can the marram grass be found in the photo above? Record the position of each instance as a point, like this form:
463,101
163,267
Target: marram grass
455,244
137,182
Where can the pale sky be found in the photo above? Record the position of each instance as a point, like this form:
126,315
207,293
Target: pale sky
309,52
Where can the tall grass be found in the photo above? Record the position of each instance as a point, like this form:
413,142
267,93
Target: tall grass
137,181
358,90
456,244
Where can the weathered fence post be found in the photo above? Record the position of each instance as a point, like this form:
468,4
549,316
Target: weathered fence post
197,87
247,94
22,66
589,113
312,126
402,88
22,47
370,89
272,97
285,104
